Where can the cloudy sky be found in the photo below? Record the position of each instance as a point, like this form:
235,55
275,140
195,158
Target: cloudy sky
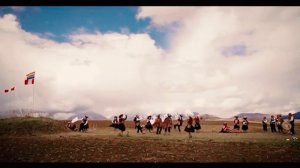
112,60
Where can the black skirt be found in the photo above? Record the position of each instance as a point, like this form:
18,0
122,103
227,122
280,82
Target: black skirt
197,126
245,127
121,127
114,125
236,127
148,126
189,129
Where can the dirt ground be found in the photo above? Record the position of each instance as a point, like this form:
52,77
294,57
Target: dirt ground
104,144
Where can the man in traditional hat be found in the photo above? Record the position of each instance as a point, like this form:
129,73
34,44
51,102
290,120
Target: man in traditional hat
179,123
265,124
158,124
292,122
236,123
167,124
273,124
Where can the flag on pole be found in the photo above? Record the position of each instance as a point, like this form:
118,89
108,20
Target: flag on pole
29,77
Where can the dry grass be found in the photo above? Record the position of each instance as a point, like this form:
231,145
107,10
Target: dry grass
104,144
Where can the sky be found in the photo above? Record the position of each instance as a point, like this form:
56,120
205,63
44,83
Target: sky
144,60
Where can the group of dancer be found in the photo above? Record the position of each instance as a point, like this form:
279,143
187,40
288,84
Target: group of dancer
159,124
84,125
236,126
192,124
278,122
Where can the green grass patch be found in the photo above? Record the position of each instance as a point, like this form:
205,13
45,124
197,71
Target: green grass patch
30,126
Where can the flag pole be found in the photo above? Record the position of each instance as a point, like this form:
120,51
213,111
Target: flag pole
18,104
33,98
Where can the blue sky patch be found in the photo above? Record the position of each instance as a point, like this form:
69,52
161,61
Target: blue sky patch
57,22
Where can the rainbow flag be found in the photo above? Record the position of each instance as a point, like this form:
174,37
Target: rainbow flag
30,75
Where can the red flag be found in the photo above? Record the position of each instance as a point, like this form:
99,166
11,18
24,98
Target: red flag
27,81
6,90
12,89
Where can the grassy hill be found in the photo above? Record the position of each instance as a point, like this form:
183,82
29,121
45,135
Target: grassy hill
30,126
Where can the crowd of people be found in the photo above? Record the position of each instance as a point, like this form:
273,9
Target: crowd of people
236,126
193,124
277,123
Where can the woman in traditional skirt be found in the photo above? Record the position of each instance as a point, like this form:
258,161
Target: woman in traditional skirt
148,124
189,128
197,123
121,125
114,122
245,124
236,123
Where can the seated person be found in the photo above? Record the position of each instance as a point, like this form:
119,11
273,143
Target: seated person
71,126
225,128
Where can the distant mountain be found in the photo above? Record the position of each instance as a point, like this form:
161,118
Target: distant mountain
58,115
259,116
296,115
207,116
254,116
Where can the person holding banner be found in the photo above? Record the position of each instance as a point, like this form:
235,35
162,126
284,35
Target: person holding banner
84,124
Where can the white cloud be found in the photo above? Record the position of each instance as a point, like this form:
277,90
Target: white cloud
113,73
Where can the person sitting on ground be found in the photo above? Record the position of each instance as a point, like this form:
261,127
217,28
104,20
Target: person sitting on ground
71,126
84,125
265,124
225,128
